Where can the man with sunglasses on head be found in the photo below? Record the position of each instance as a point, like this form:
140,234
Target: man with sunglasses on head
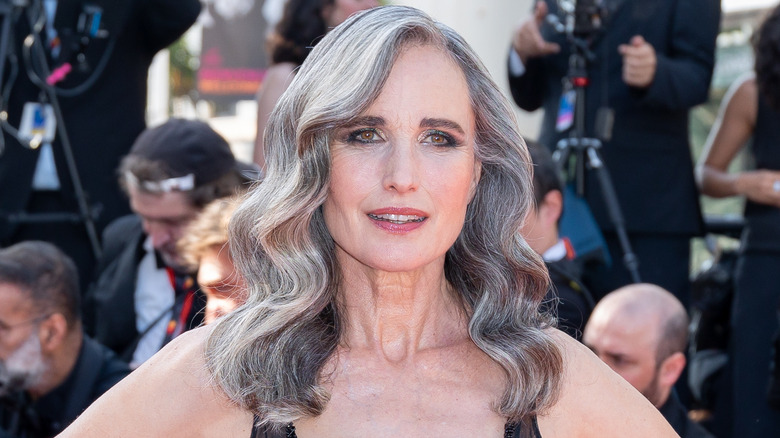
145,294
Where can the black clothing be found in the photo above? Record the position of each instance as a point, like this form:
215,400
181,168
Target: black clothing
648,155
568,297
109,306
757,295
662,263
510,431
102,121
97,369
676,414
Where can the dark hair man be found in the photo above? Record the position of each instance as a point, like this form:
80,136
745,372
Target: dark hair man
568,297
641,332
145,295
49,371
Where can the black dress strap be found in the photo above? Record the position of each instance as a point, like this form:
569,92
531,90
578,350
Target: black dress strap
511,430
515,430
259,431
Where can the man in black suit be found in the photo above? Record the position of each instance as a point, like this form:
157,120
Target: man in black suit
145,294
652,62
49,371
103,101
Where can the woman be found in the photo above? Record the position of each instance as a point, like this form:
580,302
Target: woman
303,23
390,291
751,109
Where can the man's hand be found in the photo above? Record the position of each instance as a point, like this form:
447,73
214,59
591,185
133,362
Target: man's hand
639,62
527,40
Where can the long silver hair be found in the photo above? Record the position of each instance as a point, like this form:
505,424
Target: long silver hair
268,356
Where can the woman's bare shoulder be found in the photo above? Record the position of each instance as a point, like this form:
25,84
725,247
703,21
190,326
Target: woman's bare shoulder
169,395
596,402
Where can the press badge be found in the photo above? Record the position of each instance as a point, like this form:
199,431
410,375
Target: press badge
566,111
38,124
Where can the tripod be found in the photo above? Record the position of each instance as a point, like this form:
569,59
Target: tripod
581,153
85,215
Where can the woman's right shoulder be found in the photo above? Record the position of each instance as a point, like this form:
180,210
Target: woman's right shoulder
596,402
172,394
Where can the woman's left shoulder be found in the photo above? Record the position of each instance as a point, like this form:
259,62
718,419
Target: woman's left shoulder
596,402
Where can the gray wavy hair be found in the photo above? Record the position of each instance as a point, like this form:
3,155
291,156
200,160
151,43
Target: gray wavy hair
269,355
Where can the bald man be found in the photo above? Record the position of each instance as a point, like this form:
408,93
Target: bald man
641,332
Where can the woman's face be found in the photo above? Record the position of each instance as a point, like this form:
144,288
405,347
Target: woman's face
340,10
404,171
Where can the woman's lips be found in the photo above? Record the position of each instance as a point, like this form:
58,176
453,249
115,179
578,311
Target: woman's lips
398,220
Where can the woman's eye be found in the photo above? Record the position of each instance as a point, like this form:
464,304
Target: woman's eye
368,135
439,139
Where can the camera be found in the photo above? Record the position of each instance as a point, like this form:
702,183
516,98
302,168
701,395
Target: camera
582,18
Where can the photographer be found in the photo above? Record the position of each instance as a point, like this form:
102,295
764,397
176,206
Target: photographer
103,101
651,63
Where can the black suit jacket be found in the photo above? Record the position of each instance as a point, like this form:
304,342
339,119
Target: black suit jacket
676,414
648,156
568,298
109,307
102,121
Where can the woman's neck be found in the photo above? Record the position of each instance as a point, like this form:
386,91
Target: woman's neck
396,314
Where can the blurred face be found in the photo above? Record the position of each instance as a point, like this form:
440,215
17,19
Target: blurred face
341,10
629,348
404,171
164,217
22,365
219,281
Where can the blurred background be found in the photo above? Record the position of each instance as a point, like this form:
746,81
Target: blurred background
213,72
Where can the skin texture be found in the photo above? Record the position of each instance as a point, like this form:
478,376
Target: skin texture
219,281
733,128
164,217
403,329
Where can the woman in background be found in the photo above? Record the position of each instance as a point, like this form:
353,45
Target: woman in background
303,24
751,110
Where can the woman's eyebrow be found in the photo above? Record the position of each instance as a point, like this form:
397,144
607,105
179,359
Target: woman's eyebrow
371,121
441,123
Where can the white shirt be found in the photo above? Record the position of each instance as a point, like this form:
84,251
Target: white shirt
154,295
516,66
555,252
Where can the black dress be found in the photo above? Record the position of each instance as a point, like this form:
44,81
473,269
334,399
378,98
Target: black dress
511,430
